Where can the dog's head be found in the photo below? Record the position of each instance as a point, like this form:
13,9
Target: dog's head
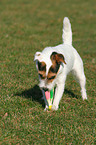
49,67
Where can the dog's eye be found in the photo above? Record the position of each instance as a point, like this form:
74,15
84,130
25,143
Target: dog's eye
51,78
41,76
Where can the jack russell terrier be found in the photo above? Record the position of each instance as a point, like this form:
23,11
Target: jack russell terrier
54,64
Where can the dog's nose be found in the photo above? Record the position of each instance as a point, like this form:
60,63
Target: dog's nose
45,89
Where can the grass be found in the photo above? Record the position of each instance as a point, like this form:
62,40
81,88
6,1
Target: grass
29,26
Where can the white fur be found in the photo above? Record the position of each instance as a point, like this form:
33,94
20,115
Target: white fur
67,32
73,64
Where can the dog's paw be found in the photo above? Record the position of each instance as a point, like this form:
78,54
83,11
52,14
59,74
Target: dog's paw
54,108
85,98
46,108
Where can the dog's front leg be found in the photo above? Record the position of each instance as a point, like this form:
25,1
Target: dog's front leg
58,94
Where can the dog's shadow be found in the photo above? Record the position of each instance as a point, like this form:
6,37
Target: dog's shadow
35,94
70,93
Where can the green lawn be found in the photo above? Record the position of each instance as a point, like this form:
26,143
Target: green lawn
27,26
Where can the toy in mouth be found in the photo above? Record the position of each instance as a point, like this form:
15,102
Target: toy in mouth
49,97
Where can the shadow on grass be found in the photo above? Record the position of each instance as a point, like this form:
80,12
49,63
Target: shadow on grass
70,93
35,94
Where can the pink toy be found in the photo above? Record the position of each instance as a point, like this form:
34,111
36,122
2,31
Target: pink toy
47,94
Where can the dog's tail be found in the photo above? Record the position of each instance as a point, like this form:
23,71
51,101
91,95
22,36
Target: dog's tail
67,32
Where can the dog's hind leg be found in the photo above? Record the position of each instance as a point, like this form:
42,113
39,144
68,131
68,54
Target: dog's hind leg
79,73
82,81
83,89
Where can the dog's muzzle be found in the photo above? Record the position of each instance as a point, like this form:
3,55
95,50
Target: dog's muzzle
45,89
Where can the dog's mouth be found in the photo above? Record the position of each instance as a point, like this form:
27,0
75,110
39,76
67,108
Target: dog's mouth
49,94
45,89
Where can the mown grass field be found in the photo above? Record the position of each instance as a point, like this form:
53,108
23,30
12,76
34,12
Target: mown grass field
26,27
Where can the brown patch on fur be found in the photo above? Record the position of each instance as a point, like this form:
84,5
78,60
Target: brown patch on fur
42,69
42,74
57,58
53,72
51,76
41,66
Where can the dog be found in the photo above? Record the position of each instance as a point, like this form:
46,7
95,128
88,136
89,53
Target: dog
54,64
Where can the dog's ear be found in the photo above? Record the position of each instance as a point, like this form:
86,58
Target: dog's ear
38,56
57,57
